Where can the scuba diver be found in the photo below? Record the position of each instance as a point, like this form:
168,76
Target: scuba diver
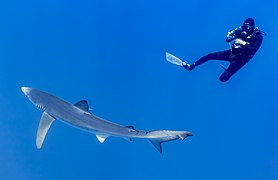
244,43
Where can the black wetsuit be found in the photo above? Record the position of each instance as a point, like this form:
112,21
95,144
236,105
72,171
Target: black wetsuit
239,54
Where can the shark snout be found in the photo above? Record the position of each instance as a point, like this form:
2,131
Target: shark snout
25,90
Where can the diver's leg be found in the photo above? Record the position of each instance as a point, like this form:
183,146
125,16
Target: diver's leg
222,55
231,70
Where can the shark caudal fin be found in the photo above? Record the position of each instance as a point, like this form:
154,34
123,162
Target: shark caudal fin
45,123
157,144
160,136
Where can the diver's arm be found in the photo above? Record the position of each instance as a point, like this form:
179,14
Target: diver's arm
233,34
253,47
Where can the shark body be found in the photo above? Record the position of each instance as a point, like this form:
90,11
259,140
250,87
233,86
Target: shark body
78,115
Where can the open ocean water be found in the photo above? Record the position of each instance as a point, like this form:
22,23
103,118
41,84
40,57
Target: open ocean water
112,53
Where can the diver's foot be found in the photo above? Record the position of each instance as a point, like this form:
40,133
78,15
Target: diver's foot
188,66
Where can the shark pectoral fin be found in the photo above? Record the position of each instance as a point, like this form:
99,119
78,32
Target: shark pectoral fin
157,144
45,123
101,138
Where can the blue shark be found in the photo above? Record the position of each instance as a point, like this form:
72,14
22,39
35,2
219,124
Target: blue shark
79,116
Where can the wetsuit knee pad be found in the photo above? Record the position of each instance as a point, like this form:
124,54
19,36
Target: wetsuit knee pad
224,77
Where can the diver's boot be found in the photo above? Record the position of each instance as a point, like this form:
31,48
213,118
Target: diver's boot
187,66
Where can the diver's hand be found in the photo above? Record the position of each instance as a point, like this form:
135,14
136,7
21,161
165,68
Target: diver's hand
240,41
230,37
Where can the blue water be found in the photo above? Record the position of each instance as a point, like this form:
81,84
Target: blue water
112,53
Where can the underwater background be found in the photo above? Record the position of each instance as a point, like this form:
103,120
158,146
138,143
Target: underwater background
112,53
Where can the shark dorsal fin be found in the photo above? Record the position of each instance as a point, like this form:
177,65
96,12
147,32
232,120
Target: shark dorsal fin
45,123
83,104
131,127
101,138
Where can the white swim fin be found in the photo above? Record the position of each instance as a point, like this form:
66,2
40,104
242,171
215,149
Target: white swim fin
174,60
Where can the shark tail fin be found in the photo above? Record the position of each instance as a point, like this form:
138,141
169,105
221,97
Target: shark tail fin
158,137
157,144
45,123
